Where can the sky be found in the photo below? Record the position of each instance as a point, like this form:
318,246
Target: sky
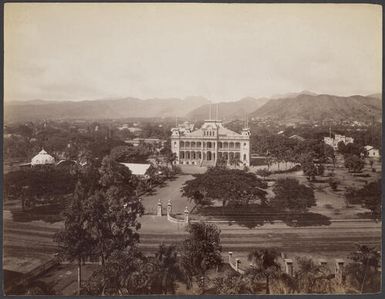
224,52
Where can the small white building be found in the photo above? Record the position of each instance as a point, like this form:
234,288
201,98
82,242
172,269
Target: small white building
42,158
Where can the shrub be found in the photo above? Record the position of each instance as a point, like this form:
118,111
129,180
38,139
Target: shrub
333,183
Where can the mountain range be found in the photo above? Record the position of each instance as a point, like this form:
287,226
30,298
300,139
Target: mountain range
305,107
293,106
101,109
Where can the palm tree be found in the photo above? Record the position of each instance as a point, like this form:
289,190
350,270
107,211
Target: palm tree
312,278
264,266
230,284
363,273
168,271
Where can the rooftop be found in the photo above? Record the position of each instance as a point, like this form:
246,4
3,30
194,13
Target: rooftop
137,168
211,125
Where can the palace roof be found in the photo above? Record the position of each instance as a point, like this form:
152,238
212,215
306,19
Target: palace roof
213,125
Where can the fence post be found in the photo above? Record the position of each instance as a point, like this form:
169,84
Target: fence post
159,209
339,270
322,262
140,200
169,208
237,262
230,256
289,267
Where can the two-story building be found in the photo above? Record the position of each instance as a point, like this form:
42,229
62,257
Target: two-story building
205,146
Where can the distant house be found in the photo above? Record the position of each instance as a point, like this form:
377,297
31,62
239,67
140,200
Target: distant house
333,142
134,130
139,169
371,152
131,129
154,141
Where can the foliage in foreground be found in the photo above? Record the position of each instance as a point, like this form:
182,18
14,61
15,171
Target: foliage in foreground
201,251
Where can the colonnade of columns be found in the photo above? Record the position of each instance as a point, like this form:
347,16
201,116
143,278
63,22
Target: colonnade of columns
208,152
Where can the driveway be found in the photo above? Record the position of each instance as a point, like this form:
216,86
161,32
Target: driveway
170,191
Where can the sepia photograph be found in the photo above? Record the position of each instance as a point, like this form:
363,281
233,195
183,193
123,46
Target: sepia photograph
192,149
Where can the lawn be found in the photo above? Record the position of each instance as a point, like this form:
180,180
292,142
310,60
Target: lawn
330,204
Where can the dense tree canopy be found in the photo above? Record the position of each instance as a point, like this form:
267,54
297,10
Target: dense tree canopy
46,184
284,149
201,251
131,154
109,206
291,195
363,273
125,273
229,185
369,196
264,266
354,163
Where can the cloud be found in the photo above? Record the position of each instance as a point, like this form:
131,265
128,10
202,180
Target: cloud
220,51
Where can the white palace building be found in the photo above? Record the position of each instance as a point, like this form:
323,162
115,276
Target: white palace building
205,146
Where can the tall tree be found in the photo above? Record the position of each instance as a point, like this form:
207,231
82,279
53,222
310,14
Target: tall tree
363,274
201,251
114,209
291,195
168,270
312,278
371,196
353,163
126,272
75,242
264,266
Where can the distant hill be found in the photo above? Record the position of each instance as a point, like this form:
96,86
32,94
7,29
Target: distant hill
376,95
100,109
293,106
293,94
319,107
228,110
